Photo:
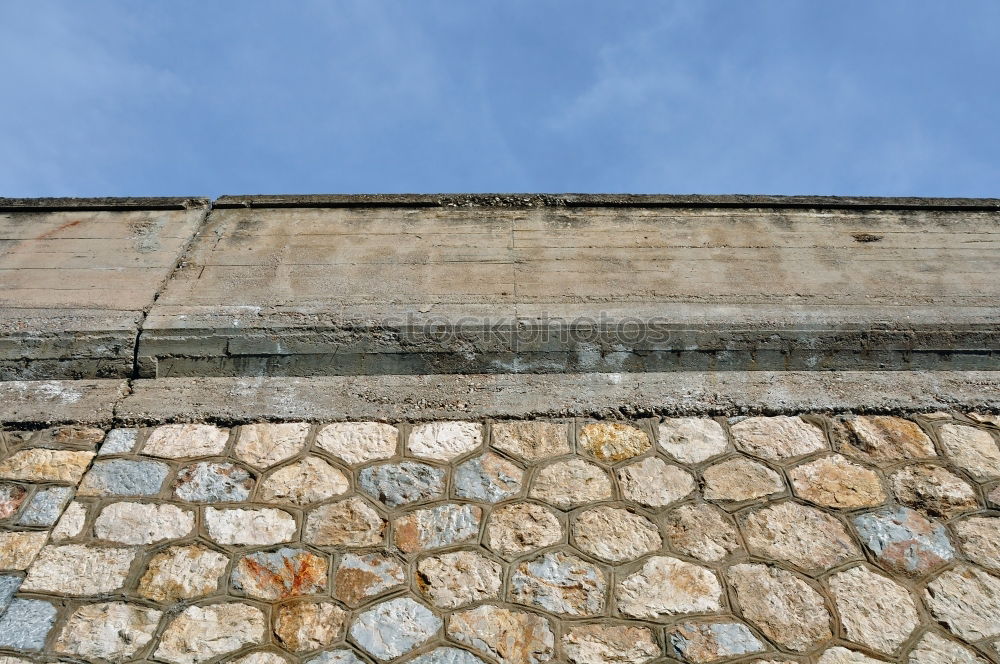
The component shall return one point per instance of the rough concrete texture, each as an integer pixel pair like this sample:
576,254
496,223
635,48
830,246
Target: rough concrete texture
304,286
56,401
415,398
556,395
542,288
384,566
76,283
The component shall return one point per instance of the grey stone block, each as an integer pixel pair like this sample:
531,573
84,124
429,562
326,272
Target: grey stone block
26,623
46,506
118,441
398,484
124,477
8,586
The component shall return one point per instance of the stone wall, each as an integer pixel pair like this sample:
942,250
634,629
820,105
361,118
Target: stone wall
763,539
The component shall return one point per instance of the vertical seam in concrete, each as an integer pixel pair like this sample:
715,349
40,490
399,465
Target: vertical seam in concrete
181,256
512,344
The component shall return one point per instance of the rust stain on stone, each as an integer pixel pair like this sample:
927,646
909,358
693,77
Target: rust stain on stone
354,585
11,497
408,534
76,435
282,574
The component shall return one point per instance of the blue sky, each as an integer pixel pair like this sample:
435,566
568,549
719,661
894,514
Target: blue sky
854,97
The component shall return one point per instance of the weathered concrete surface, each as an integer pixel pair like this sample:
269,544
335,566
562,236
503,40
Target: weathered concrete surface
60,401
493,395
411,285
603,200
77,276
555,395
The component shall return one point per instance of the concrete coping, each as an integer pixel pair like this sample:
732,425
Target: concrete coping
505,200
103,203
495,396
514,200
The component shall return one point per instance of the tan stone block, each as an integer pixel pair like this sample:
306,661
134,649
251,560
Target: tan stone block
875,611
571,483
979,538
701,531
971,449
615,535
264,445
784,607
453,580
18,549
355,443
522,527
77,570
935,649
531,441
43,465
251,527
600,644
666,586
444,441
180,441
800,535
692,439
507,636
740,479
112,631
613,441
966,600
880,439
182,572
201,633
833,481
351,522
143,523
436,527
304,482
304,625
777,438
363,576
933,490
654,483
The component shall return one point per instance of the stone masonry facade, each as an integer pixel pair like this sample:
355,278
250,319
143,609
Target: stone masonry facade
834,539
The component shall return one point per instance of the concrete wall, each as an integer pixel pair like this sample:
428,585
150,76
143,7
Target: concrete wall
315,286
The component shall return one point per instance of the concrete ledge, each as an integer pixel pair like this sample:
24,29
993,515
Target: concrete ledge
103,203
418,398
67,344
38,403
497,200
414,398
508,200
230,341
